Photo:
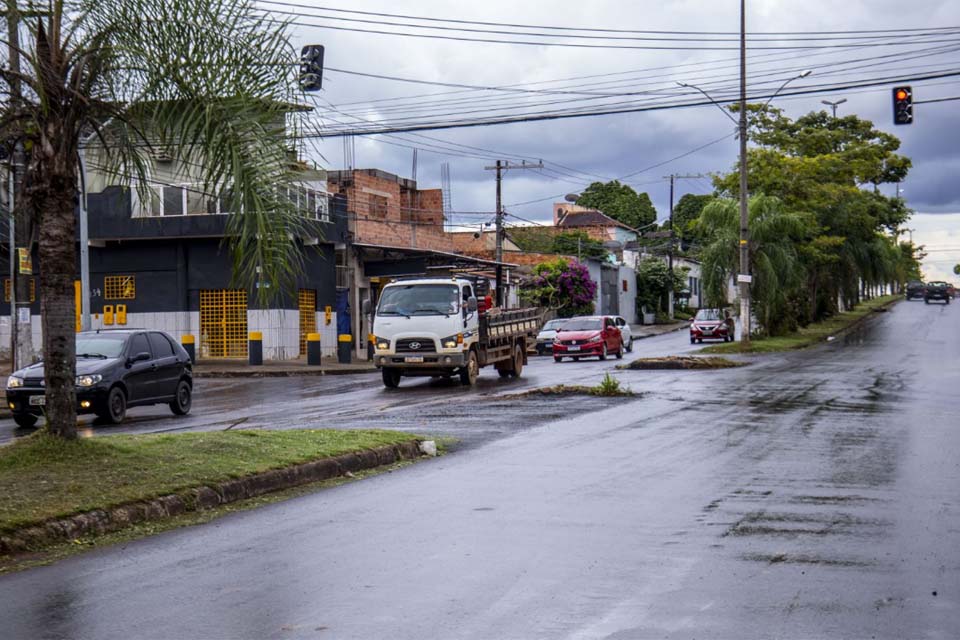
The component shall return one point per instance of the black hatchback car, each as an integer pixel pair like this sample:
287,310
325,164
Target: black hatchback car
116,369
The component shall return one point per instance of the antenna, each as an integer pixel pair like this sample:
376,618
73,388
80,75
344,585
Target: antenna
447,196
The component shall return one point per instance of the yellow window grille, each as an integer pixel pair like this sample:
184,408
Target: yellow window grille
6,290
119,288
308,316
223,323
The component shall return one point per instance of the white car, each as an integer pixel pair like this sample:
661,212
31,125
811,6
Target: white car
547,334
625,332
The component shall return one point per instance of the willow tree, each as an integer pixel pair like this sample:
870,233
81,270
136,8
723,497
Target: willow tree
208,80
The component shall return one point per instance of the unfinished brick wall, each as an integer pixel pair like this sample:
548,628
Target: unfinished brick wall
385,212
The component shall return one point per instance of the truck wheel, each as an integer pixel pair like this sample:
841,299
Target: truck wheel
470,372
391,377
517,361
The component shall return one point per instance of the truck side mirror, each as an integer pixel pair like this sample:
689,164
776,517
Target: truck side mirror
472,304
365,306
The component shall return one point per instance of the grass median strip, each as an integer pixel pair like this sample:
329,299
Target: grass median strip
42,477
809,335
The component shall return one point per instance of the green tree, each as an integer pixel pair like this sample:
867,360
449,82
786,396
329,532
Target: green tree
210,78
654,282
774,258
578,243
685,215
831,168
956,269
620,202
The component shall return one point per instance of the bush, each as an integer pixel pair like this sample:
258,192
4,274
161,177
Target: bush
562,285
654,282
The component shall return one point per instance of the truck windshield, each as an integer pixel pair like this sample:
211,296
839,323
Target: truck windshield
419,300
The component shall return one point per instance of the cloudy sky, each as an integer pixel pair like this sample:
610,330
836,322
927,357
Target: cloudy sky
894,40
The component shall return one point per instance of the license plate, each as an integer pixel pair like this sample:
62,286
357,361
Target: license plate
573,348
413,359
38,401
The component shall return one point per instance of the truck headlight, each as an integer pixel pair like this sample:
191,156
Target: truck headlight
451,342
89,380
382,343
13,382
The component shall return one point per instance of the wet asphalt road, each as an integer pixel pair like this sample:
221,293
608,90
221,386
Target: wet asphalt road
421,405
811,495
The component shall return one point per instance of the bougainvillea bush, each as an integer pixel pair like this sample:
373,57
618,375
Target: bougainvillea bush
563,285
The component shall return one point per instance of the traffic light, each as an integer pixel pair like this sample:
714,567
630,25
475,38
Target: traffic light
311,67
902,105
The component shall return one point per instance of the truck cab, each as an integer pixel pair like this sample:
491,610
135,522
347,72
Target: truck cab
434,327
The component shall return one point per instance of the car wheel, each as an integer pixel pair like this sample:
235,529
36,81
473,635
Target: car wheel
557,359
25,420
693,341
926,300
541,349
630,345
700,340
576,358
183,400
391,377
116,408
603,351
619,353
469,373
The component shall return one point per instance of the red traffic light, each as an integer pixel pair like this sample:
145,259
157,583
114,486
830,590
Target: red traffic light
902,94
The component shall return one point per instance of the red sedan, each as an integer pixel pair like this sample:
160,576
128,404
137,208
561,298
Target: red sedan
586,337
711,324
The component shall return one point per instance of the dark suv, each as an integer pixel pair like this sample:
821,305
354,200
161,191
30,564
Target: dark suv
116,369
915,289
936,291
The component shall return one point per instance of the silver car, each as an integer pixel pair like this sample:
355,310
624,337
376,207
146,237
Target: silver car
547,334
625,332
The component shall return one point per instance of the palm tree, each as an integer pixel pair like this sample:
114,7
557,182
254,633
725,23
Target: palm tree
774,261
210,79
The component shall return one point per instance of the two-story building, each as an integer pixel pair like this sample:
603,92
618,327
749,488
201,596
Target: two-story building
165,262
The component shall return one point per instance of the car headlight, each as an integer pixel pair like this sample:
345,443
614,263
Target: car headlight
89,380
13,382
451,342
382,343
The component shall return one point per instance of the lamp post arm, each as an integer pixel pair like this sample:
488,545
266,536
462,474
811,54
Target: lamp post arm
718,105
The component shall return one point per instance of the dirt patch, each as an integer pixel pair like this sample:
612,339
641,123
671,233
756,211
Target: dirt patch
682,362
566,390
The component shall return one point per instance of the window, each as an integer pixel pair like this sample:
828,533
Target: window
160,345
6,290
138,344
119,288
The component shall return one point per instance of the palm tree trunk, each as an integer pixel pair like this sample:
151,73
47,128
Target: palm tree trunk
57,199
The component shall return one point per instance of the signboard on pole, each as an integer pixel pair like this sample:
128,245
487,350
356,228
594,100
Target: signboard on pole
744,278
25,260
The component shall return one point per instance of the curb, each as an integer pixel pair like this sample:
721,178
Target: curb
281,374
101,521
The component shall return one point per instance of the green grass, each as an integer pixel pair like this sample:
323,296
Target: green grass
807,336
42,477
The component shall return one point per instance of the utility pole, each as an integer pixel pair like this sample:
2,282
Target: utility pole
833,105
501,167
672,178
743,278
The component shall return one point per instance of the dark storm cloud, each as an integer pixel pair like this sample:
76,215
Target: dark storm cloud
613,146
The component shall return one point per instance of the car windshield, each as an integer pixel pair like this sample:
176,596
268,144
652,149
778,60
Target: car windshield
100,346
419,299
708,314
553,324
582,324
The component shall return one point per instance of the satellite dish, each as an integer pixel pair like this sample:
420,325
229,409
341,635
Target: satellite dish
572,197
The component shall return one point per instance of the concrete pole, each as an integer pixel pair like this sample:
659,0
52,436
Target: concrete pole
84,246
744,218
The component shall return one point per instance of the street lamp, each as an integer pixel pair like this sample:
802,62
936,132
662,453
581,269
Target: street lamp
744,278
833,105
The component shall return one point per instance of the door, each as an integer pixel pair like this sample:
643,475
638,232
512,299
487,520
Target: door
611,334
167,373
223,323
141,376
307,300
609,293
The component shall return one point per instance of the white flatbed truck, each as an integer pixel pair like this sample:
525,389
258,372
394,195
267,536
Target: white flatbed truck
433,327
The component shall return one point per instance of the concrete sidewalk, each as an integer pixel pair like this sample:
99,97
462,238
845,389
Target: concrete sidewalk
650,330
